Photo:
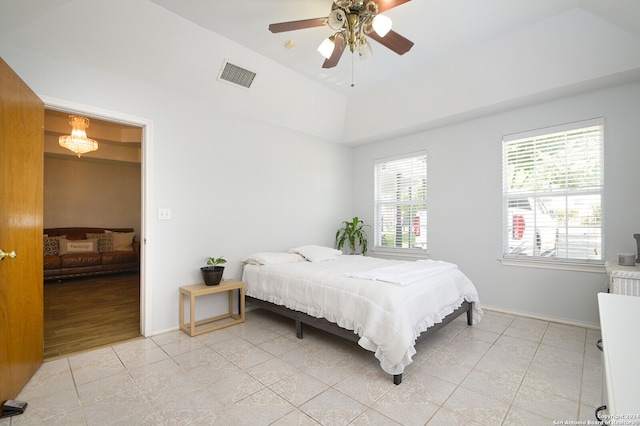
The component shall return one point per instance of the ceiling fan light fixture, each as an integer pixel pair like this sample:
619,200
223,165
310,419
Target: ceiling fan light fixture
364,50
353,22
381,25
78,141
327,46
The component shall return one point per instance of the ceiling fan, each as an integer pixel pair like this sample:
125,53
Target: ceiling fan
353,20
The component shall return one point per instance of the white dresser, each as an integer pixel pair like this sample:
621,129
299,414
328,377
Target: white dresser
619,325
623,279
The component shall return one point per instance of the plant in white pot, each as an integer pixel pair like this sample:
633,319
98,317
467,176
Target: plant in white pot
212,273
352,232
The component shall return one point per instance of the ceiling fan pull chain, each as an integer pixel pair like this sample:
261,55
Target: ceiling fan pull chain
353,83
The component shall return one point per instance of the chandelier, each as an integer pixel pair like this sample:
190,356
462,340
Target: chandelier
353,20
78,141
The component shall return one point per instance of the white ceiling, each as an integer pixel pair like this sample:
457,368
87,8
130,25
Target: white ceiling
470,57
439,29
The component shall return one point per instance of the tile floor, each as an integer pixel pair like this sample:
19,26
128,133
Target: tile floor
505,370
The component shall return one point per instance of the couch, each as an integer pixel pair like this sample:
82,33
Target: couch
79,252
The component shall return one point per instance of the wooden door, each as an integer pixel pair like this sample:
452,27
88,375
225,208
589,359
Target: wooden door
21,224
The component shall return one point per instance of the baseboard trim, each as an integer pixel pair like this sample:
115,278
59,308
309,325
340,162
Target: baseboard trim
542,317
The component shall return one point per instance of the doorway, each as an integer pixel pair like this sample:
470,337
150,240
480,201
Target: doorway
136,151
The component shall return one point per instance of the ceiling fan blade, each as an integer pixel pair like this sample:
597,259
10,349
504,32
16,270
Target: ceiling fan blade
297,25
384,5
337,52
393,41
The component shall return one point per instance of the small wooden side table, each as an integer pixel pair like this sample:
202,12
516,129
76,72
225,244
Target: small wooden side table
195,290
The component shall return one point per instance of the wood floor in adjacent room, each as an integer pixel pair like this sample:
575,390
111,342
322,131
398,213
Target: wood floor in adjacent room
88,313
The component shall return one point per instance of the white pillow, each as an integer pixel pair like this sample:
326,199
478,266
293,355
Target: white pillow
267,258
316,253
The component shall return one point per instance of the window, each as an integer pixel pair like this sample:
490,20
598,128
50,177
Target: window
401,203
552,193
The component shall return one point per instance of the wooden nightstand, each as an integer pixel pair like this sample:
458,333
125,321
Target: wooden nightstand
195,290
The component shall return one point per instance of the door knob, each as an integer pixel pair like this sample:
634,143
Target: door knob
4,254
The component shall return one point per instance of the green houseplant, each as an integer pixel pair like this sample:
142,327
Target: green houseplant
212,273
353,232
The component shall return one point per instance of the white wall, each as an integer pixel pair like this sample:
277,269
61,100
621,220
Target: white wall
235,184
465,195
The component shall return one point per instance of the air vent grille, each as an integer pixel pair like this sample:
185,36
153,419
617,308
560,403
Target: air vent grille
237,75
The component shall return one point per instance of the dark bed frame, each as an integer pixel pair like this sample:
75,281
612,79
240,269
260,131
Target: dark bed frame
301,318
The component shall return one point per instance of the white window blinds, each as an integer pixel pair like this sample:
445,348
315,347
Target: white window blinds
401,202
552,193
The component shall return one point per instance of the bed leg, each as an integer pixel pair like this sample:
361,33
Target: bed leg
299,329
470,314
397,379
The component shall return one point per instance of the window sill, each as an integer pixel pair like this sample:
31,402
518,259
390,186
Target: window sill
546,264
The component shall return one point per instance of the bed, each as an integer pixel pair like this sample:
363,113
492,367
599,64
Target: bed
384,305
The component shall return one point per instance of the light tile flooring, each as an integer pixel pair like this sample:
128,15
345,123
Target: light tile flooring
505,370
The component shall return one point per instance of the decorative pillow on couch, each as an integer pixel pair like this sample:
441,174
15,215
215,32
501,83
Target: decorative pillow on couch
105,240
78,246
122,241
52,245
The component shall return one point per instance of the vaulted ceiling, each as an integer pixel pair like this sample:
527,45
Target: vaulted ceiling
440,29
470,57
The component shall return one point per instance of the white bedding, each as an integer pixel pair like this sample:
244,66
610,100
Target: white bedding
387,317
405,273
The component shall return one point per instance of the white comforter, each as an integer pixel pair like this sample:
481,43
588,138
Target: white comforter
387,317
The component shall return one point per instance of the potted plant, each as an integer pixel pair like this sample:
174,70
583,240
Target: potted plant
212,273
352,231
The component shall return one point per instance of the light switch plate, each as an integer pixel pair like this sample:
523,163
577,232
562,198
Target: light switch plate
164,214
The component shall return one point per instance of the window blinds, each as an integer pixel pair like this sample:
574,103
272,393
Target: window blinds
400,202
552,192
